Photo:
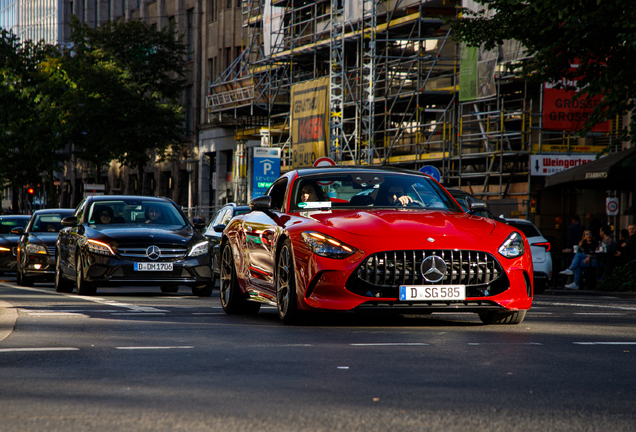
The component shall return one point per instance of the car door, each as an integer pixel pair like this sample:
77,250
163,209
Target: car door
261,231
67,241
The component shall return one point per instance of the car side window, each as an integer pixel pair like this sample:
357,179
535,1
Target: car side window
227,217
80,210
277,192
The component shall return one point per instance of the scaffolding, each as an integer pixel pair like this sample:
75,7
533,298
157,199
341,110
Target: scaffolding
393,96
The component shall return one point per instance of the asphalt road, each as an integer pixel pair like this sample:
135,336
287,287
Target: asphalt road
133,359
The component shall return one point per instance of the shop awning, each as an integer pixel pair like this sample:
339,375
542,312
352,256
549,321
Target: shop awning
614,172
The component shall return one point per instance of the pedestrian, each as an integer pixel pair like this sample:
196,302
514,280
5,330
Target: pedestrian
582,259
575,233
608,247
627,247
594,225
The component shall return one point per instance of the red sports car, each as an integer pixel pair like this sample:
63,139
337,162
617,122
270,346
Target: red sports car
343,238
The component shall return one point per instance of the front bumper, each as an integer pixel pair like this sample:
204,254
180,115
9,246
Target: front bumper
113,271
39,266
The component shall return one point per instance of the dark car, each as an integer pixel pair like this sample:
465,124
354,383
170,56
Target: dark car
36,248
9,241
461,198
131,240
214,231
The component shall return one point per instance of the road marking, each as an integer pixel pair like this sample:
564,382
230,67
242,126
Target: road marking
625,308
390,344
600,313
92,299
38,349
604,343
153,347
495,343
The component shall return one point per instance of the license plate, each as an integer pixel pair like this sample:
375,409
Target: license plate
432,292
153,266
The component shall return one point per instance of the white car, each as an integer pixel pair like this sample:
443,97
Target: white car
541,256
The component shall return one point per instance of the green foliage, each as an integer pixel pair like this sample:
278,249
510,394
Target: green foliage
30,142
599,36
113,96
623,278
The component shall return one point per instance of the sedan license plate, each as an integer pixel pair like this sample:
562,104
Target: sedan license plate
432,292
153,266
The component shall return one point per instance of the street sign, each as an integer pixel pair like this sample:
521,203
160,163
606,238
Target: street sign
324,161
432,171
266,169
611,206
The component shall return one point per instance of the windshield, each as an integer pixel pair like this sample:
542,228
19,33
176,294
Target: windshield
8,223
134,212
49,222
369,190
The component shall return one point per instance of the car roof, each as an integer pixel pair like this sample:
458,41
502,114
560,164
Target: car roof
128,197
53,210
335,169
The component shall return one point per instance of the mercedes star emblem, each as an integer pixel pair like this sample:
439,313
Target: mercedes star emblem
153,252
433,268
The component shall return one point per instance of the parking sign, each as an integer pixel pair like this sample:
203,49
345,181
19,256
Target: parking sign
266,169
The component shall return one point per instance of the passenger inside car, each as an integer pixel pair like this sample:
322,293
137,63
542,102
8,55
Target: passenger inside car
310,191
154,215
104,215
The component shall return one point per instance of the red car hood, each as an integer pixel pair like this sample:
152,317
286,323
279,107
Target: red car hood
407,223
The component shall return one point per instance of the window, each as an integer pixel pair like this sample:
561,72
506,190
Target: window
188,103
211,10
228,4
190,18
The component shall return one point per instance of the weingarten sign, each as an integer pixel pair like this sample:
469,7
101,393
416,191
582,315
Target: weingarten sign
545,165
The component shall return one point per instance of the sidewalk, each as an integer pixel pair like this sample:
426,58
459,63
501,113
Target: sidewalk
8,317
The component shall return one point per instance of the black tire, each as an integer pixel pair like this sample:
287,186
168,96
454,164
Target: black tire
203,291
169,288
503,317
231,300
83,288
286,299
21,278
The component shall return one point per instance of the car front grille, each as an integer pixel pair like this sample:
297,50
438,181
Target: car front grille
169,252
50,250
381,274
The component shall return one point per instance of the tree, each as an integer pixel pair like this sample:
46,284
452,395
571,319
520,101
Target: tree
598,35
30,142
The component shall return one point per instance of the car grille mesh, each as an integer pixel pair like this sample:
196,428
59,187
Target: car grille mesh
394,268
168,251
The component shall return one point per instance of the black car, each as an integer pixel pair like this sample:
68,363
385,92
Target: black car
214,231
131,240
9,241
36,248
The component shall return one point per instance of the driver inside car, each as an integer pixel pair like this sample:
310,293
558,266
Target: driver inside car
396,196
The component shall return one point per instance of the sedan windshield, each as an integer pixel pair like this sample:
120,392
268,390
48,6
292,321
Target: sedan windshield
369,190
49,222
134,212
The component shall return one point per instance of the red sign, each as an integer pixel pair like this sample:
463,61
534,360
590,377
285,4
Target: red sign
324,161
562,113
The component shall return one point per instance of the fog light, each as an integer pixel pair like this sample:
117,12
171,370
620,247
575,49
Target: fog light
37,266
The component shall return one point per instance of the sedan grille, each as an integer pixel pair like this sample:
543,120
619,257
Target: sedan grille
50,250
381,274
168,251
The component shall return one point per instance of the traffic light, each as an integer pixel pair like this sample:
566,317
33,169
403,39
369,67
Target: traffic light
31,191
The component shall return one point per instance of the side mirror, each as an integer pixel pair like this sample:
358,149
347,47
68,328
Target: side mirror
475,206
17,230
70,221
262,203
218,228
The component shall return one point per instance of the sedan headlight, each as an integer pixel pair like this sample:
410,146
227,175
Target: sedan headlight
35,249
513,246
326,246
100,248
199,249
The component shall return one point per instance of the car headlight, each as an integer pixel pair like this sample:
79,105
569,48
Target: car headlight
35,249
199,249
100,248
326,246
513,246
